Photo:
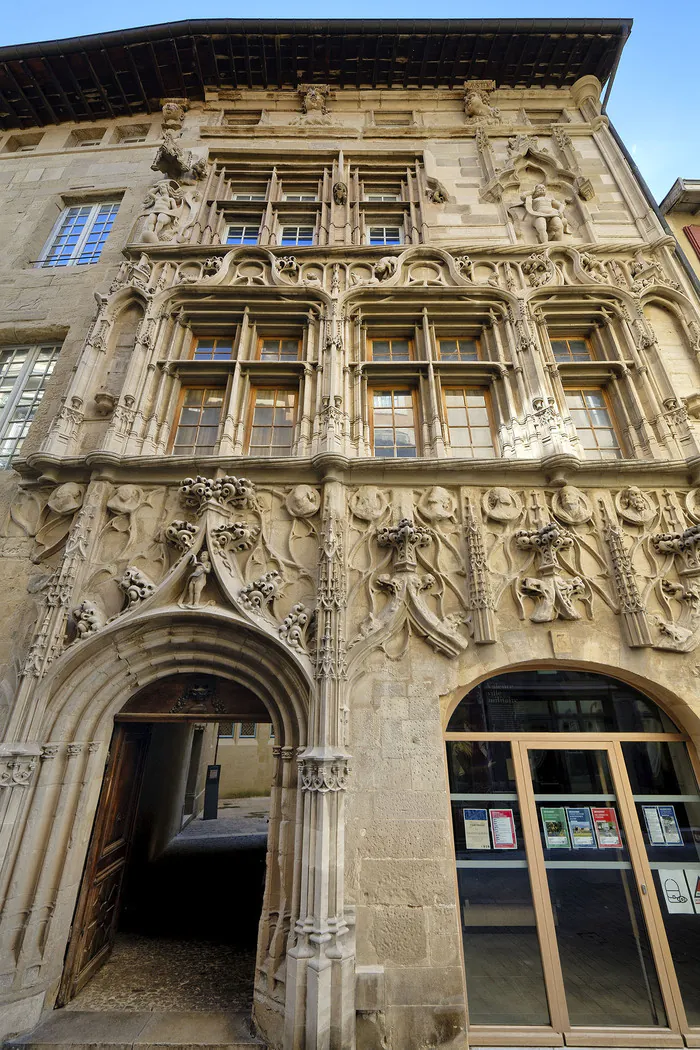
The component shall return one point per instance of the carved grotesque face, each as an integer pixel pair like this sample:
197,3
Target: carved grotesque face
66,499
303,501
314,99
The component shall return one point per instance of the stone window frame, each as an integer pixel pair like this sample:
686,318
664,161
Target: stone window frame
18,390
250,232
61,227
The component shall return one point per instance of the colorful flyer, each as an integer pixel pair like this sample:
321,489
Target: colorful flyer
503,829
675,891
662,826
476,828
556,834
607,829
581,827
669,823
651,819
692,876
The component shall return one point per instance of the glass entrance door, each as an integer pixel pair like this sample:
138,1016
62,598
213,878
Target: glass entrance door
576,819
585,853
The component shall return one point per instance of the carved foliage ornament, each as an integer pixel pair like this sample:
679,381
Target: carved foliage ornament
223,492
553,595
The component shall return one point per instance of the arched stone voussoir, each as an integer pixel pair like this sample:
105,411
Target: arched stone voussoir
90,684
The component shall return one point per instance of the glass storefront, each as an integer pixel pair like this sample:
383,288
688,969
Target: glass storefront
576,820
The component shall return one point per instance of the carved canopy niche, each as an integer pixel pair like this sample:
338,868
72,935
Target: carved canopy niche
183,697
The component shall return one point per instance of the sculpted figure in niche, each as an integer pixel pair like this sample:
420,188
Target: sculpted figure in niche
572,506
164,203
303,501
476,105
437,504
196,581
500,504
547,214
368,503
633,506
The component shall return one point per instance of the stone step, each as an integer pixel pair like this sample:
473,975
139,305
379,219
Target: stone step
139,1030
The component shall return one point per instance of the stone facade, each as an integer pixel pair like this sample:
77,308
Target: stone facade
359,597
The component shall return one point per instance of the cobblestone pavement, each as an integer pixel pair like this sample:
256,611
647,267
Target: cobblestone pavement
157,972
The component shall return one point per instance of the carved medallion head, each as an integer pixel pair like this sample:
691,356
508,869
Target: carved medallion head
67,498
303,501
126,499
501,504
368,503
571,505
437,504
634,506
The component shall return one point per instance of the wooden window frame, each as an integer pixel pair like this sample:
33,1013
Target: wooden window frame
178,415
488,402
458,360
599,388
213,360
393,387
278,360
568,339
260,384
390,338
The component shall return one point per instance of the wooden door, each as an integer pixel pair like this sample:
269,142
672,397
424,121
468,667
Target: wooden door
97,910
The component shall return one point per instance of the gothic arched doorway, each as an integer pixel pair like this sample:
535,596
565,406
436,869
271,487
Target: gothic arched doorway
576,819
174,873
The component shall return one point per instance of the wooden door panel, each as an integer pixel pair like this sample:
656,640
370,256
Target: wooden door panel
97,909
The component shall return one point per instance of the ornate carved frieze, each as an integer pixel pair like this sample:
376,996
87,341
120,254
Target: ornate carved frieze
406,590
552,594
17,764
323,774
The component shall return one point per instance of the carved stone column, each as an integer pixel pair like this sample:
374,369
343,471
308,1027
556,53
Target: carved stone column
320,1011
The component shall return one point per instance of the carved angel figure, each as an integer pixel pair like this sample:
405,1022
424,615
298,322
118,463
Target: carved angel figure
547,214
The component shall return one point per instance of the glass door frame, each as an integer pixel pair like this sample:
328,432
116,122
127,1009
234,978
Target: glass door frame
560,1032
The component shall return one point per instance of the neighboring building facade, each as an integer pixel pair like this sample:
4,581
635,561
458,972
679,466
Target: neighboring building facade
245,754
357,363
681,209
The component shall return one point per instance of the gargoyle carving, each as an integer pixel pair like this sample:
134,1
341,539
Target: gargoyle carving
136,586
88,619
385,268
177,163
476,104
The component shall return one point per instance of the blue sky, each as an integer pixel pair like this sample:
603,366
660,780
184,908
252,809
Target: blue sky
654,104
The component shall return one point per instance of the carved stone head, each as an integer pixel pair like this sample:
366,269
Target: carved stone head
67,498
